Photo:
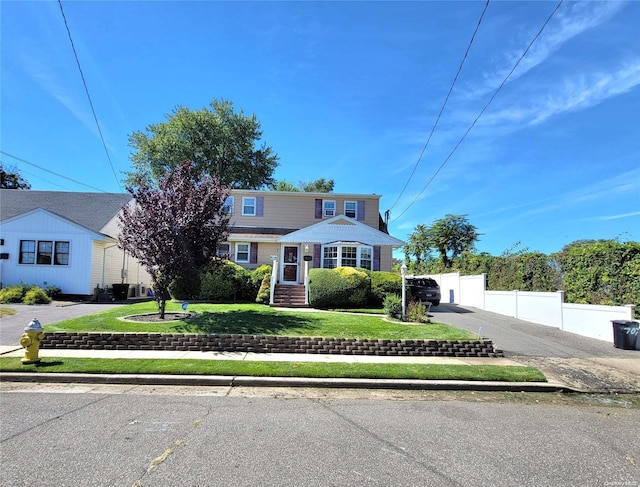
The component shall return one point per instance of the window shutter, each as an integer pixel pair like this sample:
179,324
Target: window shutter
253,254
318,208
260,206
317,248
376,258
360,210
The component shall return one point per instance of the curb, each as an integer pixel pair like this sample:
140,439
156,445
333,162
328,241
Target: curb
247,381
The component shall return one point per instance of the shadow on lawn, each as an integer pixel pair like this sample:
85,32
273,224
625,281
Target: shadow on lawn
246,322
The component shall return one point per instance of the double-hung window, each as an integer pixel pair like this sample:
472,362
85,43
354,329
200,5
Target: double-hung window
44,252
349,256
248,206
27,252
223,251
227,207
330,257
350,208
328,208
242,252
61,257
366,254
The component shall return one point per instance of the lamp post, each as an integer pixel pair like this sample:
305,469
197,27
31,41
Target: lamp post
403,271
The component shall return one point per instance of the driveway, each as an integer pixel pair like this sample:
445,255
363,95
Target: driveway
12,327
582,363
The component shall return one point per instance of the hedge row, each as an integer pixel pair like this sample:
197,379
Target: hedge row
225,281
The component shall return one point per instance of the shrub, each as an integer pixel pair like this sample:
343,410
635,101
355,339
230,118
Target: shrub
417,312
186,286
256,282
341,287
12,294
257,275
226,281
264,293
36,295
393,306
52,291
383,283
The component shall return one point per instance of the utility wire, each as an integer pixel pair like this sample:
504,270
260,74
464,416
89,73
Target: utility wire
34,175
51,172
464,58
86,89
483,110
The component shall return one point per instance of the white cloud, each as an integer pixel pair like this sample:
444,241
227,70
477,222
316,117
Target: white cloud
570,21
587,91
576,93
617,217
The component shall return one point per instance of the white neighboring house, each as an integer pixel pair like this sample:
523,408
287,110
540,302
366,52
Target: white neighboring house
64,239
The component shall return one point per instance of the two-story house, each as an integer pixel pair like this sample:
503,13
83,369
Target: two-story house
69,239
324,229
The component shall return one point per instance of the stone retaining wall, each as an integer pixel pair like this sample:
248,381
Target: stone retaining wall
268,344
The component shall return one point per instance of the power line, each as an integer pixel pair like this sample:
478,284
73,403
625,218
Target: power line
51,172
483,109
464,58
34,175
86,89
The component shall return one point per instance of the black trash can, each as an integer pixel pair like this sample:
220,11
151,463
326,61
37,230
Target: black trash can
625,334
120,291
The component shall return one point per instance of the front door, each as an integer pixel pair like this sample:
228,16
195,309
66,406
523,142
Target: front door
290,265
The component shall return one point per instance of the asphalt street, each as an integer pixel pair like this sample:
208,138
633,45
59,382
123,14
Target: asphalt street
141,439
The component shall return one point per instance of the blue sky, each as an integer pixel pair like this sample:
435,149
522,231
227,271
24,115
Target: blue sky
351,91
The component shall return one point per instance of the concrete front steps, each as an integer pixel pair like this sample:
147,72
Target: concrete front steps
289,296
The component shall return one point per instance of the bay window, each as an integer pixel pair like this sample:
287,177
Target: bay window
346,255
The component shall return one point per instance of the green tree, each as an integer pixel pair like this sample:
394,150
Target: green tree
10,178
318,186
174,229
601,272
217,140
448,237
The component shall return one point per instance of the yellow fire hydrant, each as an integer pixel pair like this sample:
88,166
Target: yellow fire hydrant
30,340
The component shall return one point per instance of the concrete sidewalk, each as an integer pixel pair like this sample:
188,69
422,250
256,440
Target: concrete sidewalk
213,380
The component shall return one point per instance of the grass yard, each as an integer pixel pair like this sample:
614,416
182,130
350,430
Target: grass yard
277,369
259,319
4,311
255,319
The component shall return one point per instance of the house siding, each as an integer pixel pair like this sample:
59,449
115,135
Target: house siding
40,225
298,210
107,263
294,211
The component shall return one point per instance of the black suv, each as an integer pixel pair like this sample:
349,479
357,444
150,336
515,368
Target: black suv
424,289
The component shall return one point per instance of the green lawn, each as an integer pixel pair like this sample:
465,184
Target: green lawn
259,319
255,319
276,369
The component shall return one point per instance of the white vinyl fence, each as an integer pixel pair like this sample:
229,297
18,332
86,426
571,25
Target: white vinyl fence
549,309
